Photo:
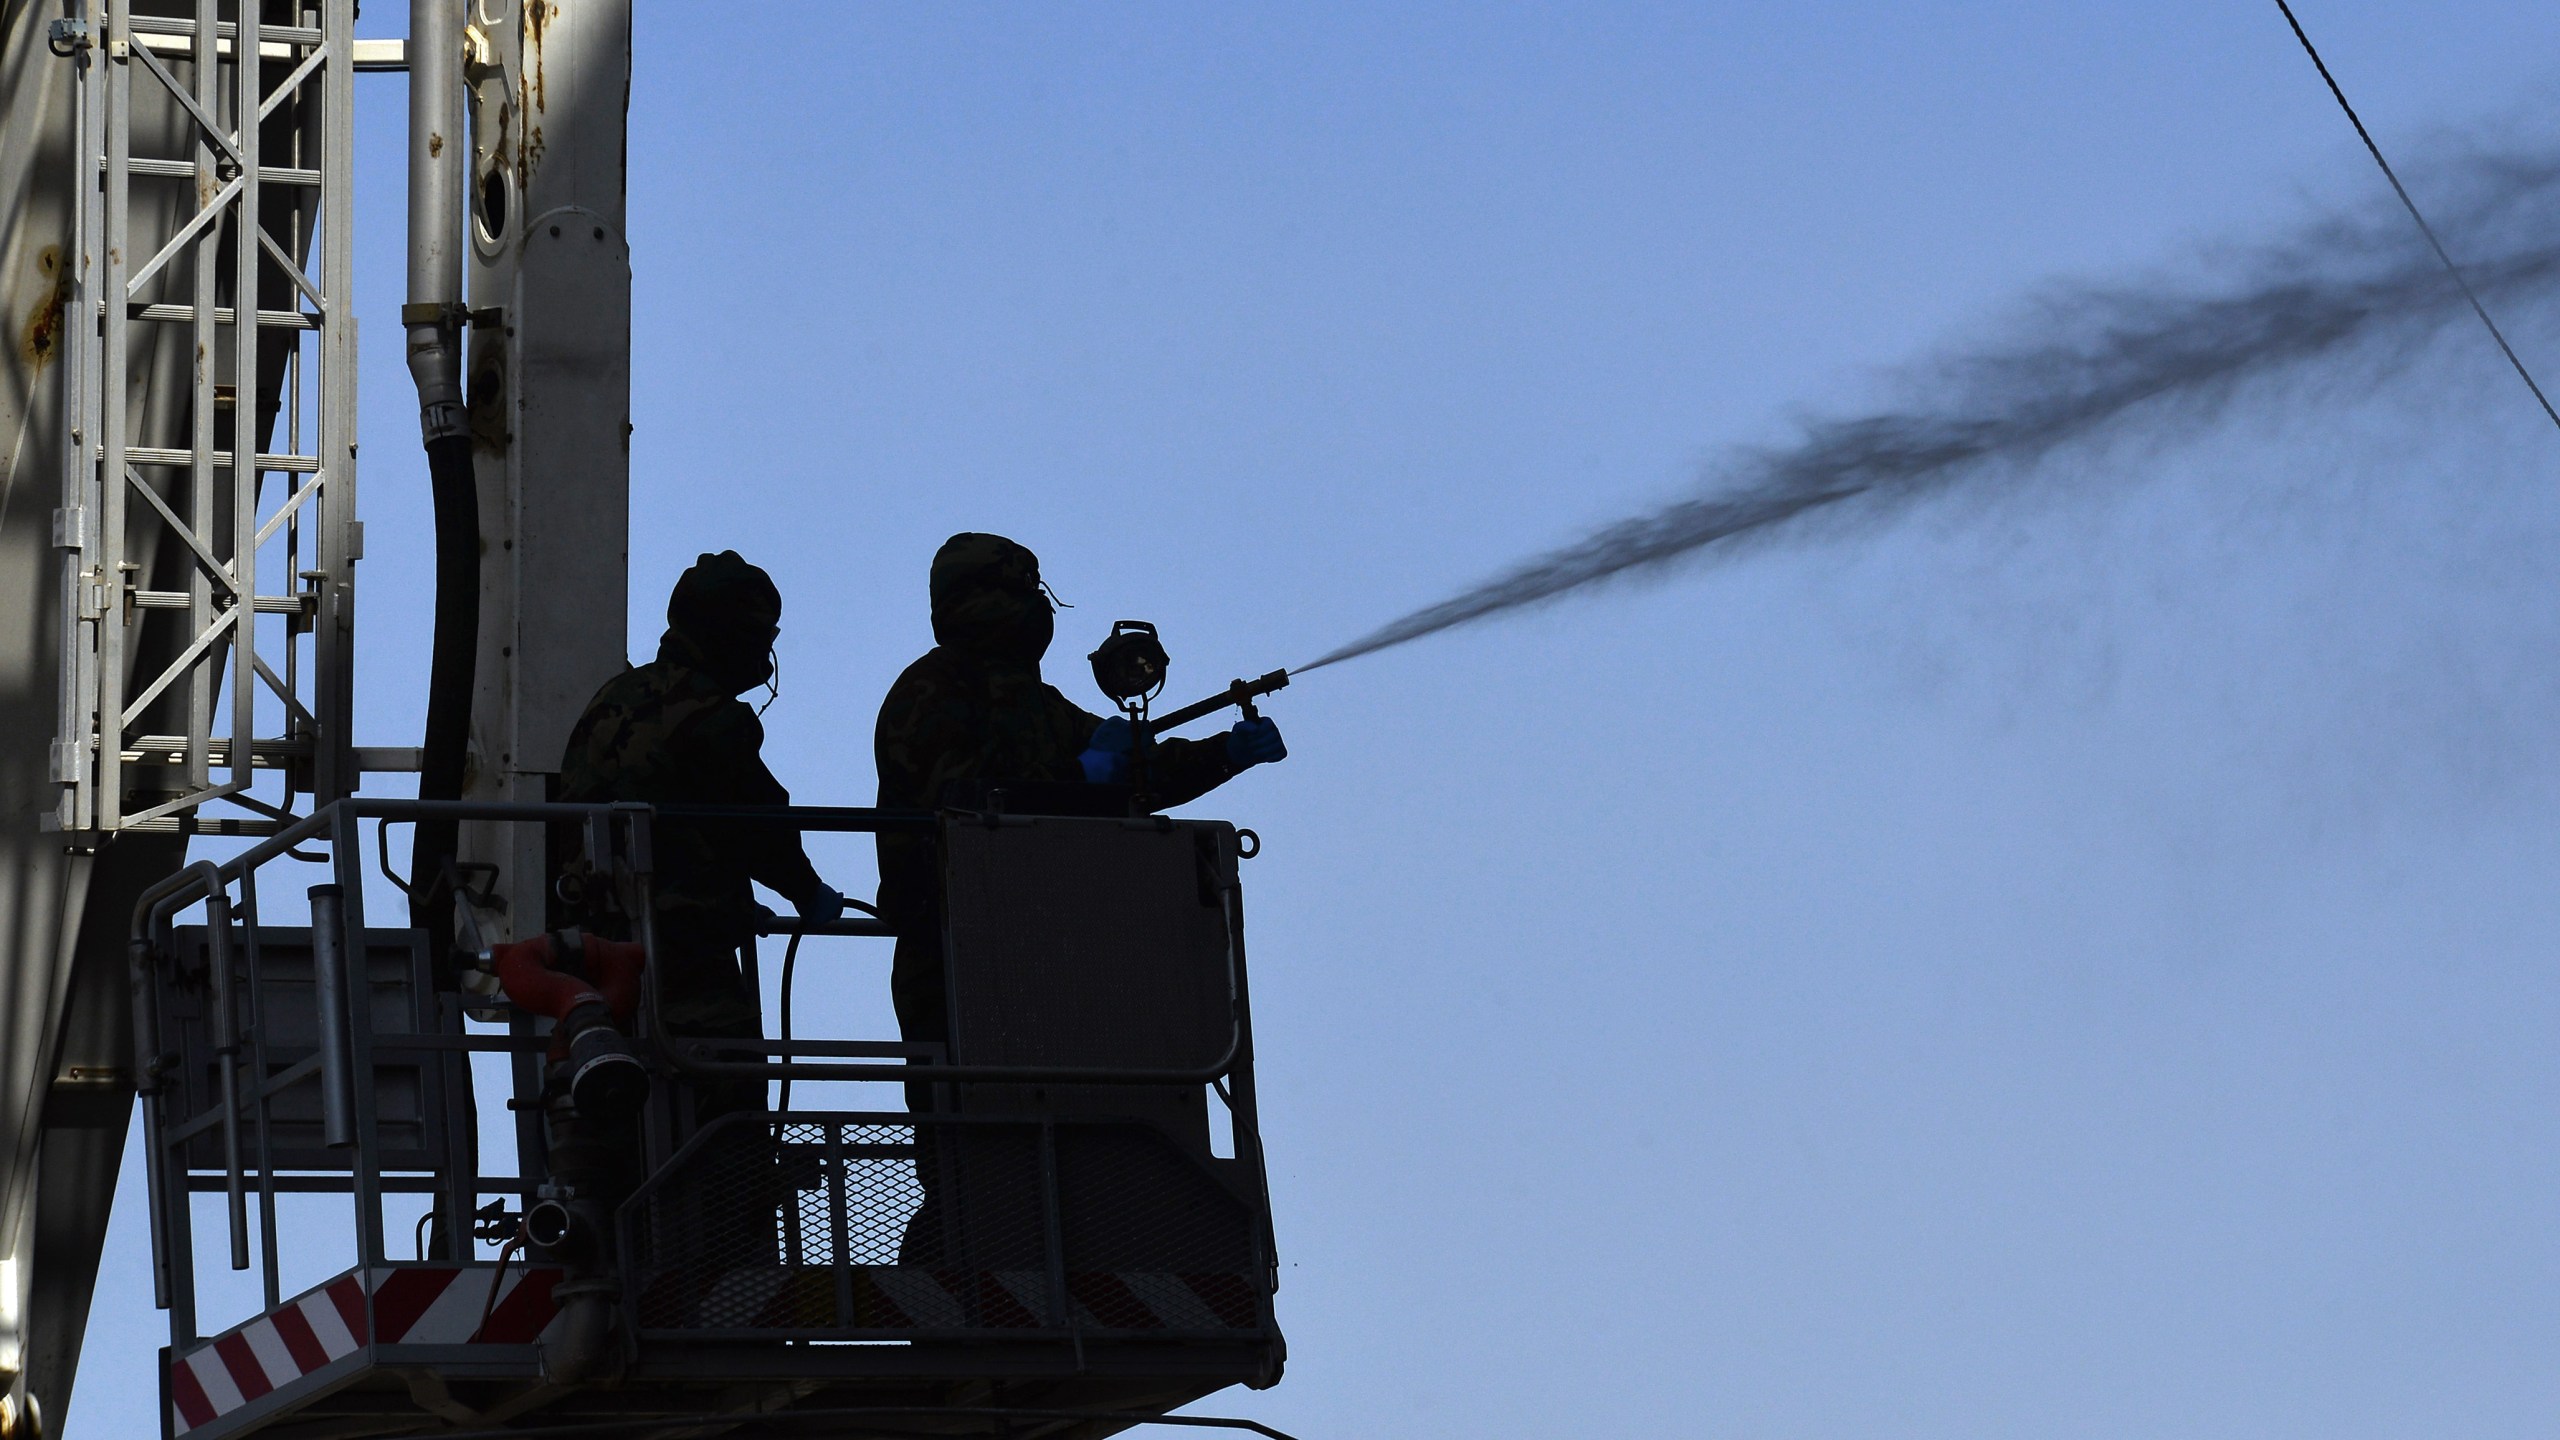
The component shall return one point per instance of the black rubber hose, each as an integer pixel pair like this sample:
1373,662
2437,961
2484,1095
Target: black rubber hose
450,682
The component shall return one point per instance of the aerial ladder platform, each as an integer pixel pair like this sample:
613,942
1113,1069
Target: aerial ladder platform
1073,1234
376,1208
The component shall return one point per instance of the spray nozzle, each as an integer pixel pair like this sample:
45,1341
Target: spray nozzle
1240,693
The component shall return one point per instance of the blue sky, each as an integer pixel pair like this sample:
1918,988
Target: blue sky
2074,965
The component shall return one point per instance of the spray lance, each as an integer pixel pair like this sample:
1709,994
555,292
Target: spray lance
1130,667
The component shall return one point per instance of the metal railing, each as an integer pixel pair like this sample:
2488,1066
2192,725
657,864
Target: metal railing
336,1060
887,1226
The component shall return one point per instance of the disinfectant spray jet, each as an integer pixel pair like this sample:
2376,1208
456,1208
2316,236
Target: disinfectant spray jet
2091,360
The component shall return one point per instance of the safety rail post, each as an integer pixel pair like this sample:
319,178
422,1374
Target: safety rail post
173,1273
444,1085
525,1066
1053,1241
329,990
462,1131
1244,1111
346,853
226,1054
261,1091
839,1184
140,974
659,1139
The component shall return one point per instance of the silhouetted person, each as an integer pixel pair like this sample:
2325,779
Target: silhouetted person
974,712
673,732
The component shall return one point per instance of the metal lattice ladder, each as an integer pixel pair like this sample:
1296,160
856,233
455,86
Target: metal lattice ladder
258,221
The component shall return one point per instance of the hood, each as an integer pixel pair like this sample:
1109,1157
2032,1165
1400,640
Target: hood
723,619
987,600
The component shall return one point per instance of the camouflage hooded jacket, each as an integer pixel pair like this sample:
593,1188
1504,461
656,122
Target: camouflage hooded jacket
975,708
675,732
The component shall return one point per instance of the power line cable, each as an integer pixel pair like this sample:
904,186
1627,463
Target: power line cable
2412,207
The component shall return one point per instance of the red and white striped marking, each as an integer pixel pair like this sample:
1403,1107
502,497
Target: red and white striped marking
411,1305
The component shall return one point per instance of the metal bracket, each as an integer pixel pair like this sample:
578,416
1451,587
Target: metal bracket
67,37
434,312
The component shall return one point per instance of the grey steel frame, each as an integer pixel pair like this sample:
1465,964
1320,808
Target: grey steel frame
115,491
344,1064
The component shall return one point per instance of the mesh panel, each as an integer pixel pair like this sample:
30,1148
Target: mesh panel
1151,1241
847,1192
882,1227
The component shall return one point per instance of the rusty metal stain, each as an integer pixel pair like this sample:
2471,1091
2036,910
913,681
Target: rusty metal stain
528,153
40,339
528,103
538,15
524,161
435,143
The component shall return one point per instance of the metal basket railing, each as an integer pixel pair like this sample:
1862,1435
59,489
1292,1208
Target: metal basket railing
871,1226
782,1226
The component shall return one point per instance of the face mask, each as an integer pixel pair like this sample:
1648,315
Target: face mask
772,681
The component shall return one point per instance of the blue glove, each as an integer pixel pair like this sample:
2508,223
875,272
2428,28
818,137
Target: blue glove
1255,742
822,906
1106,755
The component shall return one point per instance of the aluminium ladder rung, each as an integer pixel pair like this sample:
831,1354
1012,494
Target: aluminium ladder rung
186,170
224,30
199,825
162,455
172,750
180,600
225,315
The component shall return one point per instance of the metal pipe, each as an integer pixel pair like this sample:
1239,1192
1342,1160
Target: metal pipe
141,972
146,1074
830,818
858,929
346,857
1241,694
1244,1108
258,1093
330,989
432,316
434,55
688,1060
226,1051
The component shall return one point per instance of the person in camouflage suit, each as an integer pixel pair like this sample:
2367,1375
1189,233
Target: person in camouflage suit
674,731
973,710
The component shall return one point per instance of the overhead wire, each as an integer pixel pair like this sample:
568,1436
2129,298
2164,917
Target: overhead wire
2433,242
